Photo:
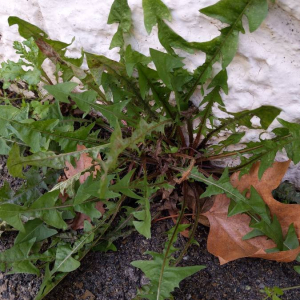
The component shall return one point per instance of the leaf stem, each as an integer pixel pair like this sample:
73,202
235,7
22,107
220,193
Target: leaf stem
222,155
171,241
192,234
203,120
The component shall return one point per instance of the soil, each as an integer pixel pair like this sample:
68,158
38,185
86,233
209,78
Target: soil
109,276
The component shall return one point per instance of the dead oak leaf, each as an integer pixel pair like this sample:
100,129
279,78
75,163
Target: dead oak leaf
84,162
225,236
286,213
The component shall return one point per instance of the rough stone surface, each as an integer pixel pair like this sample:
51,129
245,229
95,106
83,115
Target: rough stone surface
265,70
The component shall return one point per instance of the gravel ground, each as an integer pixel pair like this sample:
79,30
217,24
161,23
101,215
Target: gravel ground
109,276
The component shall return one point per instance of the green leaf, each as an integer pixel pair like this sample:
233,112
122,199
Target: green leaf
161,288
68,140
11,71
15,162
4,148
113,112
32,77
17,258
220,80
272,230
170,39
34,229
267,159
291,240
61,91
233,139
252,234
225,45
229,49
100,63
105,246
64,261
210,99
6,192
26,30
7,114
117,40
11,214
88,209
165,64
123,186
227,12
83,193
265,113
84,100
120,13
118,145
29,191
172,276
132,58
44,208
254,205
256,12
153,11
143,226
29,51
148,79
293,147
30,132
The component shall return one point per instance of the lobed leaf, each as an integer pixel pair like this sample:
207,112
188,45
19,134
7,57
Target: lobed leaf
120,13
154,10
19,260
161,287
26,30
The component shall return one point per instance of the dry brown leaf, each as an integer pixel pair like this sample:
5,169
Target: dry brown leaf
225,236
84,162
88,296
48,51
